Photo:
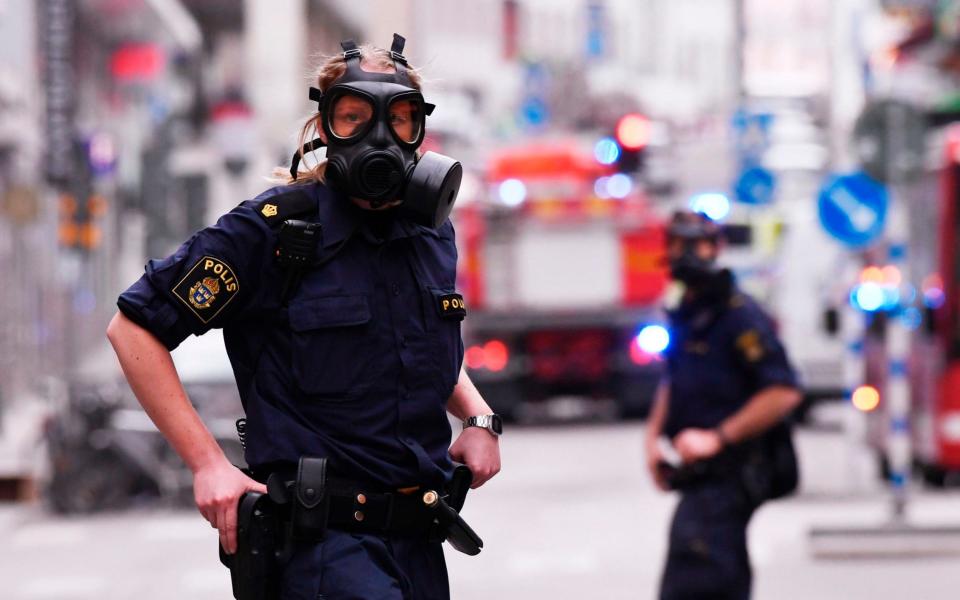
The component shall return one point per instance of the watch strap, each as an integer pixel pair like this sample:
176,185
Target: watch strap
482,421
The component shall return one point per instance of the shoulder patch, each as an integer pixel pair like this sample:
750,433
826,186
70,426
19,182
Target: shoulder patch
750,345
207,288
277,209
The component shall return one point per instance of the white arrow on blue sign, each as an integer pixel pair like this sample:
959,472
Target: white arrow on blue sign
853,208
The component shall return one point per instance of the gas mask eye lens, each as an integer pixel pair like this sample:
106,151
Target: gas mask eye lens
406,119
349,115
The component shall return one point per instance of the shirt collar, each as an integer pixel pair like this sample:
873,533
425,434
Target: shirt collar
340,219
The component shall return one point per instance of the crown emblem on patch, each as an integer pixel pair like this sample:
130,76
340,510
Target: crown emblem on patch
203,292
269,210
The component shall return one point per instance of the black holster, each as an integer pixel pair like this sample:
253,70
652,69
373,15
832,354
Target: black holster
268,524
450,526
254,572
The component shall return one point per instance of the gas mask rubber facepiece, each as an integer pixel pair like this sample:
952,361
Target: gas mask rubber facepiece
687,266
374,123
690,269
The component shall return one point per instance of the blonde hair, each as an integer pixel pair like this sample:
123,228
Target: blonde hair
332,68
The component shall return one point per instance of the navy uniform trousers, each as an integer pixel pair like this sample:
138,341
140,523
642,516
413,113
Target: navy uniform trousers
348,566
708,557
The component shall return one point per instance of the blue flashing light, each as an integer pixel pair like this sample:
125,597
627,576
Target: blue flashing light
513,192
653,339
619,185
910,294
912,318
606,151
601,187
891,297
868,296
933,297
714,205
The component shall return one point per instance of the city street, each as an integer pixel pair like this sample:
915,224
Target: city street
352,219
571,516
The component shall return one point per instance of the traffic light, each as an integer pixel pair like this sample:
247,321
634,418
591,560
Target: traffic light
633,135
80,222
81,208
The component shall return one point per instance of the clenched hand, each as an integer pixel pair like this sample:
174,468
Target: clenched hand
217,490
480,450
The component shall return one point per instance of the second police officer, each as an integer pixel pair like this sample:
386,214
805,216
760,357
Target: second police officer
336,295
727,390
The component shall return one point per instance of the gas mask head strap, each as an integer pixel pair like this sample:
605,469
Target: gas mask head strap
314,144
352,57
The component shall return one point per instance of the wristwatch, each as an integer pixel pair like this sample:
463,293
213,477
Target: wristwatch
492,423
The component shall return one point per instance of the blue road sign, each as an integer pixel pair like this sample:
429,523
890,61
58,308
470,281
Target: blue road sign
752,135
596,34
534,112
755,185
853,208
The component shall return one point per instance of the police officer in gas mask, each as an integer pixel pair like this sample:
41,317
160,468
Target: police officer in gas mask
336,295
716,433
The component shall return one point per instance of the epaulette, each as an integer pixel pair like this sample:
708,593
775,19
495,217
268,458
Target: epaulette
288,205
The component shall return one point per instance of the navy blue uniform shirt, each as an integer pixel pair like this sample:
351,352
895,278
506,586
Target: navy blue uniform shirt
358,365
723,351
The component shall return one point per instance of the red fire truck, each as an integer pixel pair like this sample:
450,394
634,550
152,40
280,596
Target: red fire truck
562,270
934,312
936,378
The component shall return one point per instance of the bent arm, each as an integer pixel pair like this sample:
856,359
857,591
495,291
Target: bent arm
217,485
475,447
153,377
765,409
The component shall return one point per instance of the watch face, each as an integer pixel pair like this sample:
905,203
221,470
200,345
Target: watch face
496,424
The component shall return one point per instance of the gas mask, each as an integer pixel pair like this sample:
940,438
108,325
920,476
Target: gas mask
688,267
374,123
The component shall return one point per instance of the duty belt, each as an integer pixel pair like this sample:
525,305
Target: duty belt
303,508
353,507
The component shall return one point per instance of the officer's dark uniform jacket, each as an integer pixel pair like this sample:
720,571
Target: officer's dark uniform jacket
359,364
723,351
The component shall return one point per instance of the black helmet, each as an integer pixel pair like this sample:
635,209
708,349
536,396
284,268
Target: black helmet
689,225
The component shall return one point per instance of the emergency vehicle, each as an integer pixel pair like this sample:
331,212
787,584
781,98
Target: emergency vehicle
932,309
562,268
936,376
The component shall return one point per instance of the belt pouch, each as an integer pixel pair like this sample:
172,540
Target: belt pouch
311,504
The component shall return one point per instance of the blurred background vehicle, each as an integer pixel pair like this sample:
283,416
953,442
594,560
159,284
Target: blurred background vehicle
563,265
104,452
